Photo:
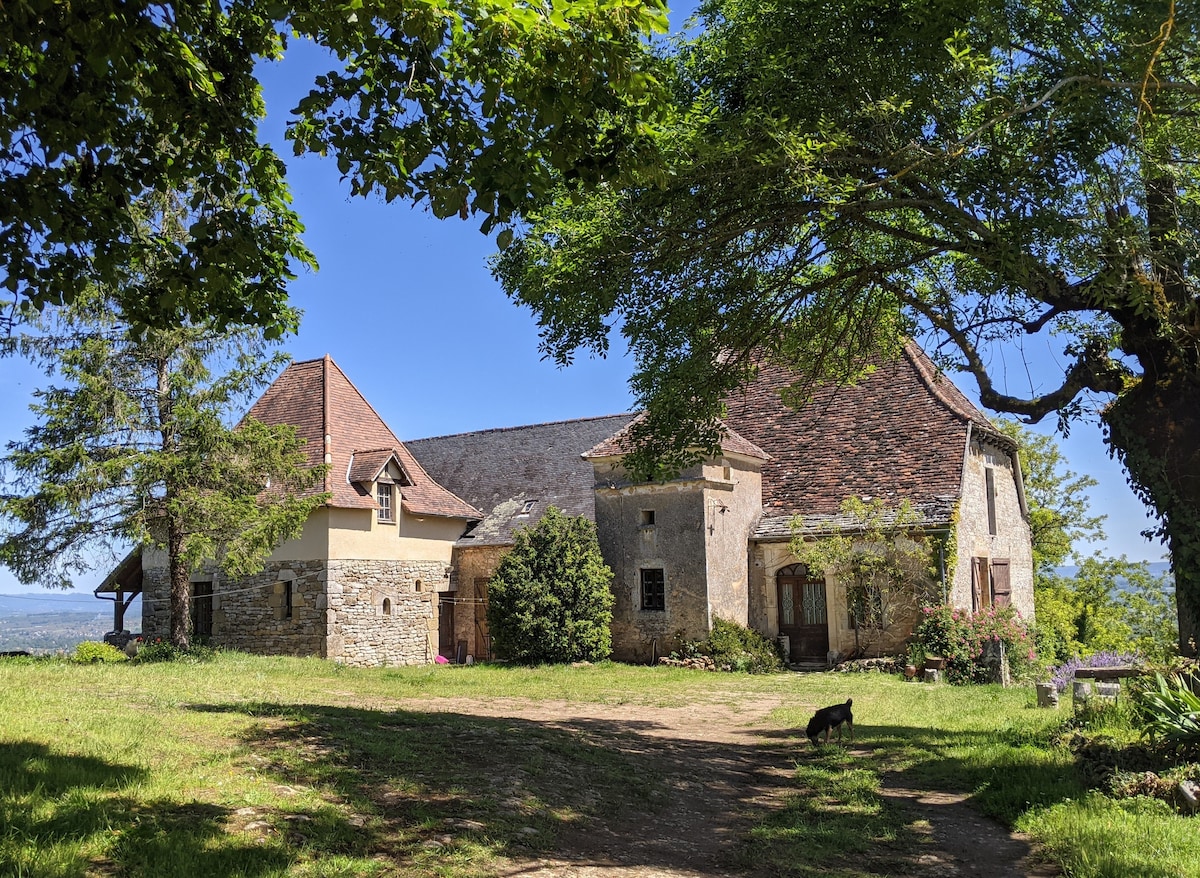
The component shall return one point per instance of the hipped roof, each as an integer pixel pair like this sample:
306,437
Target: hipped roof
335,419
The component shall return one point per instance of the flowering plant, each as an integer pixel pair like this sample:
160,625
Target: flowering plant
959,635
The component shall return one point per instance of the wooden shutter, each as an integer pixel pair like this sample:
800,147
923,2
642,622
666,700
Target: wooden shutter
980,592
1001,587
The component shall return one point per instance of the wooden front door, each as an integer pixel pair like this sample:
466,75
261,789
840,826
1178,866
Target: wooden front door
803,614
446,625
483,637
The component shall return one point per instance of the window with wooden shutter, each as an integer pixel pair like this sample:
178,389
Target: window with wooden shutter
1001,587
981,592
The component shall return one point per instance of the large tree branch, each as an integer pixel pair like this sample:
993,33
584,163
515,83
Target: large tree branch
1093,370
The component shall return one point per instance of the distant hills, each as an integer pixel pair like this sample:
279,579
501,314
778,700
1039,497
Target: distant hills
49,621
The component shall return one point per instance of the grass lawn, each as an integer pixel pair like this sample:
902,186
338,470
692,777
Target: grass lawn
253,766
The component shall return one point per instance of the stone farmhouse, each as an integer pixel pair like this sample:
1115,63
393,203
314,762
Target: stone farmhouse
394,568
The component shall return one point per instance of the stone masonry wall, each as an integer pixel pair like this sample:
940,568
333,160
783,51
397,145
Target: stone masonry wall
156,603
383,612
251,614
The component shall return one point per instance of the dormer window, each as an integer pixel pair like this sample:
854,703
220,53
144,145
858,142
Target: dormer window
527,507
383,494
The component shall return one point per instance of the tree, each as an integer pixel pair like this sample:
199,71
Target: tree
1060,512
1107,603
549,600
470,105
882,561
984,175
130,446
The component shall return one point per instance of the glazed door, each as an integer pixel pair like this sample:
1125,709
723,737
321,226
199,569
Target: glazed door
803,614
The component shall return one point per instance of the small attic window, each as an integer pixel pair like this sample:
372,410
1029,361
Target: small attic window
647,518
527,508
384,495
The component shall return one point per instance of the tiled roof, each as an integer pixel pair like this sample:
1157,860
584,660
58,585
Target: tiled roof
365,466
621,443
936,513
899,434
503,471
318,399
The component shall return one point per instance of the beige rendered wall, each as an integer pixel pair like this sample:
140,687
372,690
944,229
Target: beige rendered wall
732,506
1011,540
356,534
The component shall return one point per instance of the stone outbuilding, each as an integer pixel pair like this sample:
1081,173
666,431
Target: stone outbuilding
394,569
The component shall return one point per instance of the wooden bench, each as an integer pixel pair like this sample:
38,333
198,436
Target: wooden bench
1118,673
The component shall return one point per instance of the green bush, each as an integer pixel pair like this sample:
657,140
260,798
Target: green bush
159,650
959,635
549,600
735,648
1170,712
90,652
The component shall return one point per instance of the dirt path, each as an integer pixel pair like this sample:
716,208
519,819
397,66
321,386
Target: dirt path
724,767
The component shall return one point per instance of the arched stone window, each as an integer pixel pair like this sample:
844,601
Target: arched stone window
417,585
387,606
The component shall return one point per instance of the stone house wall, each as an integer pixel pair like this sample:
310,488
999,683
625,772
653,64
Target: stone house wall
383,612
732,505
1011,541
673,543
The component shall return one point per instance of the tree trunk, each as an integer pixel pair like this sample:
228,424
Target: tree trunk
181,596
1155,430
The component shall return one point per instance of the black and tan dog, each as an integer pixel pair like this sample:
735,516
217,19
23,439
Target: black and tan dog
829,718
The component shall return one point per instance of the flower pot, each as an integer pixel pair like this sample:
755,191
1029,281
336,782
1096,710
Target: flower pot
934,662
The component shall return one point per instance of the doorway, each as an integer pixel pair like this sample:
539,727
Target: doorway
803,612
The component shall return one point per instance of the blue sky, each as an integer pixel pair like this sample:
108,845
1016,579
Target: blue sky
407,307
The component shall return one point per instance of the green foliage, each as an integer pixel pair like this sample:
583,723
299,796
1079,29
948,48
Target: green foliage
470,105
93,652
1060,512
159,650
1171,712
733,647
986,175
882,562
132,445
1109,604
959,635
549,600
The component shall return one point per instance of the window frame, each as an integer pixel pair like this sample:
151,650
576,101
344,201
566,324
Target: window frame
653,594
384,512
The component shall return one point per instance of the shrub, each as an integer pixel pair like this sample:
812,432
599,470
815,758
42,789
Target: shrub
1062,675
958,636
735,648
549,600
90,652
1170,712
159,650
946,632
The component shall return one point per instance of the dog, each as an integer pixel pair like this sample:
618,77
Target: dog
829,718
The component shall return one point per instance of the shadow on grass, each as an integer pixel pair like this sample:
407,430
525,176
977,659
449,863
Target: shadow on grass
63,814
439,788
854,815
